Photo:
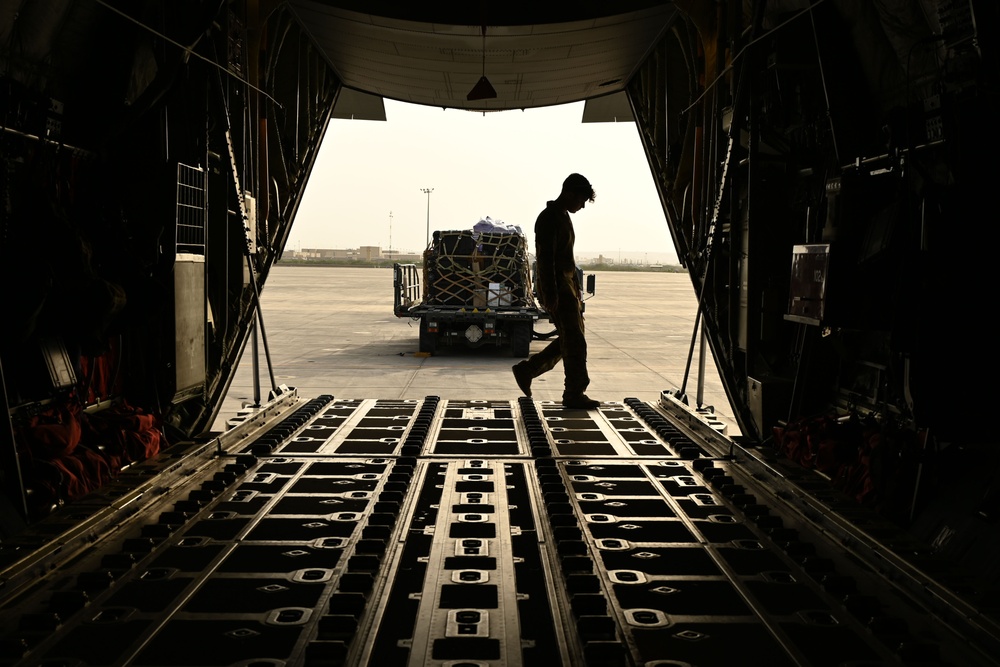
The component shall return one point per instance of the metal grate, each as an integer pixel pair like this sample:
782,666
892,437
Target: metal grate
327,538
191,200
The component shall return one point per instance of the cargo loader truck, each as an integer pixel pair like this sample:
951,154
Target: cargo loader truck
475,289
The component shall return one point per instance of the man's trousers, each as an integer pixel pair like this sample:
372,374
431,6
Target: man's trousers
570,345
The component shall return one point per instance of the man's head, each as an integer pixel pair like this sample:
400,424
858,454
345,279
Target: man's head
576,192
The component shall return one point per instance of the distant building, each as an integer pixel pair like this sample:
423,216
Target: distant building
324,253
406,257
362,254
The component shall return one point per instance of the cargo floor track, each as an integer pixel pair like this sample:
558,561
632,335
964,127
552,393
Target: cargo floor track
472,533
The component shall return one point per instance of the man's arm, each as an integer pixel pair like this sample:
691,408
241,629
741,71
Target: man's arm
545,256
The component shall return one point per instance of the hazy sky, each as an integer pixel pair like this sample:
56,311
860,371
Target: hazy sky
367,181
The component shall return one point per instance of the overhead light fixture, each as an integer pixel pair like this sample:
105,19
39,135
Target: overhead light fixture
483,90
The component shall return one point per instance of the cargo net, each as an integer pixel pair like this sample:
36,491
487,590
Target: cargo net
478,270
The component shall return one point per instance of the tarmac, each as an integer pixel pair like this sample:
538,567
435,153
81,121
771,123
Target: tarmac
331,330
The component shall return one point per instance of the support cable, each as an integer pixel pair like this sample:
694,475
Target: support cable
739,56
712,236
248,250
822,78
256,370
10,470
248,253
188,50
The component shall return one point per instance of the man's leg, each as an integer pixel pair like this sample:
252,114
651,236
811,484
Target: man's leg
573,348
538,363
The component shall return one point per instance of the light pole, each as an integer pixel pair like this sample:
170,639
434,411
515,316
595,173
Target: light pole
428,192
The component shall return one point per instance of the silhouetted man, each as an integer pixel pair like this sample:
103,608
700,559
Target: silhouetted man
559,293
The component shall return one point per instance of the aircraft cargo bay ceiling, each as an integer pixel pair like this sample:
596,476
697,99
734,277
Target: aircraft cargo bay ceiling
531,57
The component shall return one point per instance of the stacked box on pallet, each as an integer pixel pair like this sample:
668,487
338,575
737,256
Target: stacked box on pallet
477,270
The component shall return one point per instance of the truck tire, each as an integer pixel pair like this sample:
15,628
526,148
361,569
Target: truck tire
428,339
520,339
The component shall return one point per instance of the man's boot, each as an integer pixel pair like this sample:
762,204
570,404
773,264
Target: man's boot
580,402
523,377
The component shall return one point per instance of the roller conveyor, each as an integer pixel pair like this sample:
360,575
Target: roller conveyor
473,533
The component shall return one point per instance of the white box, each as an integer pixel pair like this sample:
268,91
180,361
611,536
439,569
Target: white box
498,295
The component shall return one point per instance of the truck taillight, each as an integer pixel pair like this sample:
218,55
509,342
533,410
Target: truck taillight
432,327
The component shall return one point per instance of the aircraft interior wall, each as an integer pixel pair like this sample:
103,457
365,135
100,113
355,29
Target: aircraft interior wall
139,157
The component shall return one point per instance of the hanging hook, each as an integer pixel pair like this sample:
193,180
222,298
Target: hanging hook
484,50
483,89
